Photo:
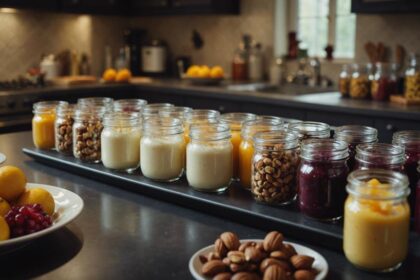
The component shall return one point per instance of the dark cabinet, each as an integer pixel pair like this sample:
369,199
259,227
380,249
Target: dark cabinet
95,6
385,6
30,4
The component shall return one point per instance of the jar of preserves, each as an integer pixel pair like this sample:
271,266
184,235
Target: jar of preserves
43,134
162,147
87,129
355,135
344,81
209,157
382,86
129,105
64,128
274,167
307,130
409,140
412,78
235,121
417,211
96,102
152,110
359,82
376,219
120,141
246,148
321,178
379,155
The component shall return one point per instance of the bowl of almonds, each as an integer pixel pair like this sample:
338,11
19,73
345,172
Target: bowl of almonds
251,259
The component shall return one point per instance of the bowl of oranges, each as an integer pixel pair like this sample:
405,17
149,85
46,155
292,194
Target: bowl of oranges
204,75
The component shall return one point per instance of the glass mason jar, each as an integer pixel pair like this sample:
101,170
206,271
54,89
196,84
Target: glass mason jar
209,157
379,155
417,211
235,121
355,135
199,117
96,102
286,121
129,105
274,167
307,130
359,82
64,128
412,78
162,147
87,129
321,177
246,148
152,110
120,141
376,219
177,112
43,134
344,81
381,86
409,140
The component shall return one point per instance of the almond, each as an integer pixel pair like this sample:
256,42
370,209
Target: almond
234,267
279,255
237,257
270,261
289,250
273,241
302,261
213,256
213,267
275,272
220,248
304,275
230,240
252,254
203,259
226,261
223,276
245,245
245,276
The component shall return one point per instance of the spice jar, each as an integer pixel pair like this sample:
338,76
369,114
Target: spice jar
235,121
274,166
359,82
322,177
409,140
381,86
376,219
162,149
307,130
209,157
129,105
412,78
199,116
355,135
43,134
379,155
246,148
96,102
87,129
152,110
120,141
344,81
64,128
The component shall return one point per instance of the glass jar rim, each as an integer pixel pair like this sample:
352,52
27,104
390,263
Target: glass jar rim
391,182
405,137
154,108
66,109
237,117
251,127
162,125
204,113
122,119
133,101
90,112
310,128
286,139
95,100
323,149
47,106
210,132
387,151
356,134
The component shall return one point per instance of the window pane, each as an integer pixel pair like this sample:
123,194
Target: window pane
345,36
343,7
314,33
311,8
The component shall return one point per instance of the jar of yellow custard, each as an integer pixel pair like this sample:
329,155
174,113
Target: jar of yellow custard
43,134
235,121
376,219
246,148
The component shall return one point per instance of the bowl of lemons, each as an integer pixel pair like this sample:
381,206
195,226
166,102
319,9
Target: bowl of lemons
204,75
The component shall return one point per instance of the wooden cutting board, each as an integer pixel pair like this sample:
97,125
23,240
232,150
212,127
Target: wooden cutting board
399,99
74,80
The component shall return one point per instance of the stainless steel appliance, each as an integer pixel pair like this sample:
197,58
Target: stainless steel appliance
154,58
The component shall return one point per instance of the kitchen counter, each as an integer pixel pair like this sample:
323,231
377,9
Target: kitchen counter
122,235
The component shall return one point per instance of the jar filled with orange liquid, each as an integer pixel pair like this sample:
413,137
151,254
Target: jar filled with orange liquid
376,219
43,134
246,148
235,121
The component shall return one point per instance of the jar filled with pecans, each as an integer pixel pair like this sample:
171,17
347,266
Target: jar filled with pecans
274,167
87,129
412,79
64,128
359,83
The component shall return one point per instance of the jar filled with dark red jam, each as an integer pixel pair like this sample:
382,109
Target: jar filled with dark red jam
417,211
409,140
322,178
308,130
379,155
355,135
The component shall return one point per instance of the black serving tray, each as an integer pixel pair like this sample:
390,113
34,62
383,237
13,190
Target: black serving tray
235,204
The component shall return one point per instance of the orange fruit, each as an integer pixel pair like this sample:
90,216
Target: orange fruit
4,207
4,229
124,75
216,72
109,75
38,196
193,71
204,72
12,182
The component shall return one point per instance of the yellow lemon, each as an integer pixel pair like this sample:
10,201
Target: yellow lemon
38,196
12,182
4,229
124,75
109,75
204,72
193,71
216,72
4,207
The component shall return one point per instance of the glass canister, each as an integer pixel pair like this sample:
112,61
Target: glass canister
381,86
87,129
359,82
355,135
321,178
379,155
209,157
199,116
376,219
274,167
307,130
177,112
162,147
129,105
412,78
64,128
43,133
96,102
235,121
152,110
246,148
120,141
344,81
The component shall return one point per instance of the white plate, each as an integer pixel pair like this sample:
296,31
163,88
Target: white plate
68,206
320,263
2,158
